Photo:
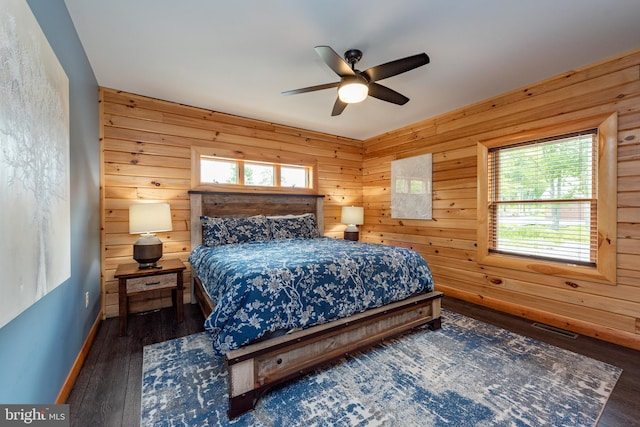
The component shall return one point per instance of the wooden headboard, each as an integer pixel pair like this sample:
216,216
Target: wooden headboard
228,204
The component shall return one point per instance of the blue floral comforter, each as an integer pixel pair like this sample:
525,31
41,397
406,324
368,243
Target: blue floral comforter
267,286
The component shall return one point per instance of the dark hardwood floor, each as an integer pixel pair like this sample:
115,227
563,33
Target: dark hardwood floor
107,392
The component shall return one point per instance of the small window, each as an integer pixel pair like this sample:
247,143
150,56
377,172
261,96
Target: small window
294,176
218,171
259,174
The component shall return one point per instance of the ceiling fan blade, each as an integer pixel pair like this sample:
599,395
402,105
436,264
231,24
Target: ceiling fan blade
396,67
311,88
334,61
338,107
385,94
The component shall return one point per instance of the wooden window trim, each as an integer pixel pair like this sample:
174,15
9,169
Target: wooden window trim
605,269
277,159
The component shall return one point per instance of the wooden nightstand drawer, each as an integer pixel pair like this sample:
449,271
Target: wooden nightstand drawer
133,280
149,283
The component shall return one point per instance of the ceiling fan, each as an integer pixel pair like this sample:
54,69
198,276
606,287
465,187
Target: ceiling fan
355,85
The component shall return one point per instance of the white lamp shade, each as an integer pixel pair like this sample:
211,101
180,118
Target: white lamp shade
149,218
352,215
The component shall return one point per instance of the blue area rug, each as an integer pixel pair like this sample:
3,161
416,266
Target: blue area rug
466,374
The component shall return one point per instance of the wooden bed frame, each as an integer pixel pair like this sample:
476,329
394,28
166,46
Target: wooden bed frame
255,368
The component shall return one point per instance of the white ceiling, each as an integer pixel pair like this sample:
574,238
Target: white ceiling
237,56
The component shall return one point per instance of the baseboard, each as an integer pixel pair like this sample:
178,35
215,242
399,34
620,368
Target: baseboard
582,327
77,365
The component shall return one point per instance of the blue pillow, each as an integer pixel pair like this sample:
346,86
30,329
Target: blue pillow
294,226
224,231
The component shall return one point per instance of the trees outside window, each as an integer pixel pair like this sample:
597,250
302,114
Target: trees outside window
542,197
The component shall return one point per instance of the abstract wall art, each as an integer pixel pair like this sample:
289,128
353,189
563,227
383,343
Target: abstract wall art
35,224
411,192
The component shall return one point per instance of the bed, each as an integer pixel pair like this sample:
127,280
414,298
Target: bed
274,311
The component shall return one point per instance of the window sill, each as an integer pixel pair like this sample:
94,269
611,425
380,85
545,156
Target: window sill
559,269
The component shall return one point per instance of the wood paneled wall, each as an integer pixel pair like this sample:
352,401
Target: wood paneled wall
146,148
449,241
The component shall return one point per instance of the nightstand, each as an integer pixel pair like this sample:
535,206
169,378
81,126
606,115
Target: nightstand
133,280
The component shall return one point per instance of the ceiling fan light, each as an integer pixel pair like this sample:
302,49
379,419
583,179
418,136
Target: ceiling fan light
353,92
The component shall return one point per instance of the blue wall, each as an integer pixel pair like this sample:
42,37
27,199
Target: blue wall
38,348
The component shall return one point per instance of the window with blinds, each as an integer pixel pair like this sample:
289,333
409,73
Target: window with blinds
543,198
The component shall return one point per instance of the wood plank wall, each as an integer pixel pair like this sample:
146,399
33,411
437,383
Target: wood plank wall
449,241
146,148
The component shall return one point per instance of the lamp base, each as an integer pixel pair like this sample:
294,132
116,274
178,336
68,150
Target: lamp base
147,250
352,235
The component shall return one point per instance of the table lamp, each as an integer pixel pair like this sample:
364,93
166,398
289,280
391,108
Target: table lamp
352,216
146,219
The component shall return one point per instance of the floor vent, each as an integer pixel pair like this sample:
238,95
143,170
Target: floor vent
555,330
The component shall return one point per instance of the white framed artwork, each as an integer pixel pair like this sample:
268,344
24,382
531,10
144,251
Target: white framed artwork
34,163
411,188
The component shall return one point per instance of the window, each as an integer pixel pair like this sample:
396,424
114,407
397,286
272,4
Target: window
548,204
542,198
293,176
218,171
261,174
235,174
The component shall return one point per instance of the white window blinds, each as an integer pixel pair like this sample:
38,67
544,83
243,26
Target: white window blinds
543,199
